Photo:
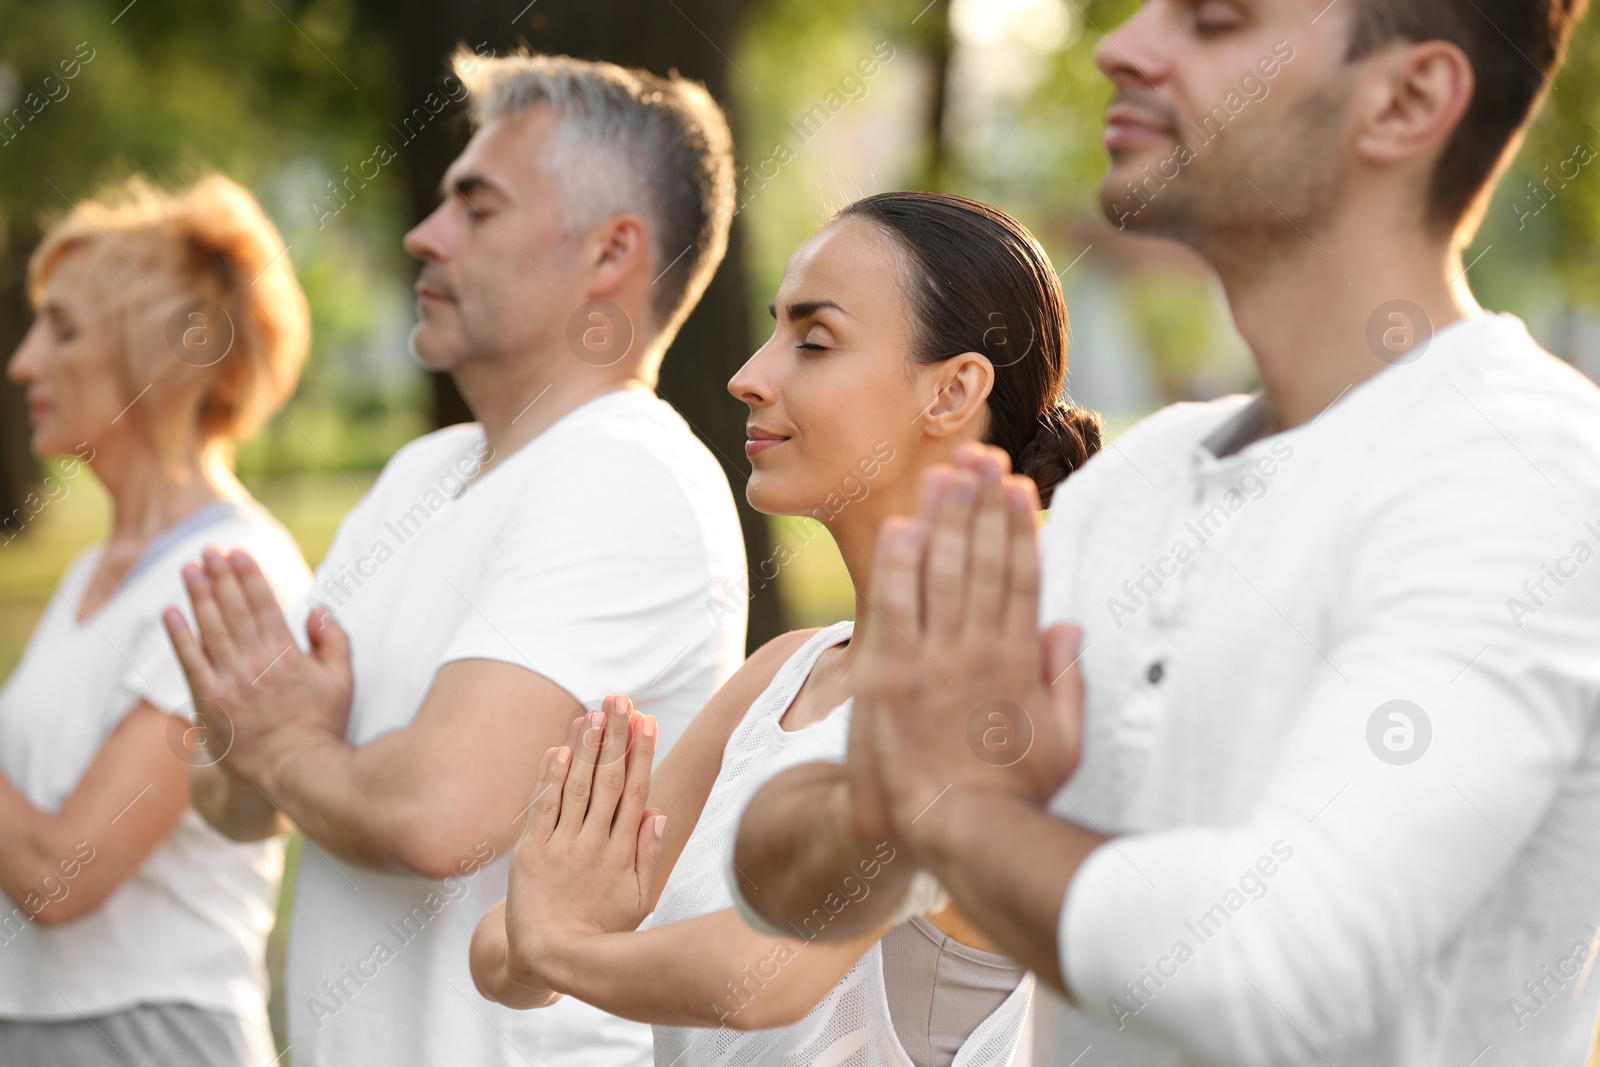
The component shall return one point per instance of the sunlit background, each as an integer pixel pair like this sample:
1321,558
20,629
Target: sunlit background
997,99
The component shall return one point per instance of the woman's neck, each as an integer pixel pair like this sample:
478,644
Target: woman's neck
148,495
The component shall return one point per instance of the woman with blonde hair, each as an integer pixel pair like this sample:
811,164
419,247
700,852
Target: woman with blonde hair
169,325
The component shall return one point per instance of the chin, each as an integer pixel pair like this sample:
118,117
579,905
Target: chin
767,494
429,351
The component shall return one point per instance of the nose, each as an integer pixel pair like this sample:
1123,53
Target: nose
1131,55
752,383
426,240
23,366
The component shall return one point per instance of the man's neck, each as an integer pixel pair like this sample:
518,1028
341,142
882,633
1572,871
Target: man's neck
517,404
1324,313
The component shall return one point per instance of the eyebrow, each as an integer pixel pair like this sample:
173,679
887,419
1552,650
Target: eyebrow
806,309
467,186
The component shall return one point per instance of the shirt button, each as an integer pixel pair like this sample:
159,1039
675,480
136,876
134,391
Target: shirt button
1155,673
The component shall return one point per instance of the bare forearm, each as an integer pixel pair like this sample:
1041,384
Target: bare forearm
711,971
796,851
1011,883
35,850
327,789
384,805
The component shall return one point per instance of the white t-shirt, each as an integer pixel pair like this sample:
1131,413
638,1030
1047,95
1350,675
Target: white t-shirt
1285,886
189,925
600,555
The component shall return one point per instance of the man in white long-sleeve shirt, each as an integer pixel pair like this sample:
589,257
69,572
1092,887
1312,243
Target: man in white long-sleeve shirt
1339,673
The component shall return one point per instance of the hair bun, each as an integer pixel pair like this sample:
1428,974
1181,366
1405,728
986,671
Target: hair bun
1066,438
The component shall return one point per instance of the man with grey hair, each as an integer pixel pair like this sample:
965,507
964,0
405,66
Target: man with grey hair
492,586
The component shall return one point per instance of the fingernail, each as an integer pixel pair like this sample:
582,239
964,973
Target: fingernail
649,727
563,754
661,824
597,718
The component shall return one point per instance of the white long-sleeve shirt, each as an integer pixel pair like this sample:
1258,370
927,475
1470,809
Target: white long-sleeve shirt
1342,697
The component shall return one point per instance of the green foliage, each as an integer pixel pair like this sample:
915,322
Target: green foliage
277,94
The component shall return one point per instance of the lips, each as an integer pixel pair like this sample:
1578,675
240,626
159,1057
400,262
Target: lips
1127,126
758,440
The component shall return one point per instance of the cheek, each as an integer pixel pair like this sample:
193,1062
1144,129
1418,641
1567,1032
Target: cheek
89,384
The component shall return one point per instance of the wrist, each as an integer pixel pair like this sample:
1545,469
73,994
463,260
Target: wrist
285,753
545,960
944,833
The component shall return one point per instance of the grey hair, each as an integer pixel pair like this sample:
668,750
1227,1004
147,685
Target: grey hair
629,141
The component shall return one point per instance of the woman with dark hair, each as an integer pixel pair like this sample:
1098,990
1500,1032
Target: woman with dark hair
910,324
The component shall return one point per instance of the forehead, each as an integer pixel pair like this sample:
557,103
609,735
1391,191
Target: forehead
850,253
507,149
70,275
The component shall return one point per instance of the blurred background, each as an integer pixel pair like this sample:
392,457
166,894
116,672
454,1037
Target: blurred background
304,101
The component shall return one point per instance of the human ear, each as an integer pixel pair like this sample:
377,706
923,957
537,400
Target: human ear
961,385
1413,99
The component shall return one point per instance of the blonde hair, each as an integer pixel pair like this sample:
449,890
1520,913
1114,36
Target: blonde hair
200,297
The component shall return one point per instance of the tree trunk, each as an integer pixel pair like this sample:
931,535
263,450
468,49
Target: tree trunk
693,37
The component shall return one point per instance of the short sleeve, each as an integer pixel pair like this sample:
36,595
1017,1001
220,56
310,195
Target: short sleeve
153,674
600,577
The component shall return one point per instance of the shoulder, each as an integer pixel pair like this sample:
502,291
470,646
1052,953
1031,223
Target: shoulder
629,447
274,549
1498,418
635,423
715,724
762,666
424,456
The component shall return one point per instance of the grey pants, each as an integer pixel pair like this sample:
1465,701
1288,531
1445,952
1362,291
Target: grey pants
150,1035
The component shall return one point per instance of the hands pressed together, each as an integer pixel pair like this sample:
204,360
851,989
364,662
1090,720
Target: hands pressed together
587,859
957,691
257,695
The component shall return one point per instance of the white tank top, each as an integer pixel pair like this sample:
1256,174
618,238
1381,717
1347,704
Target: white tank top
852,1025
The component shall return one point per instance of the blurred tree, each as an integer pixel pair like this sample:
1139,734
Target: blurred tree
94,90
